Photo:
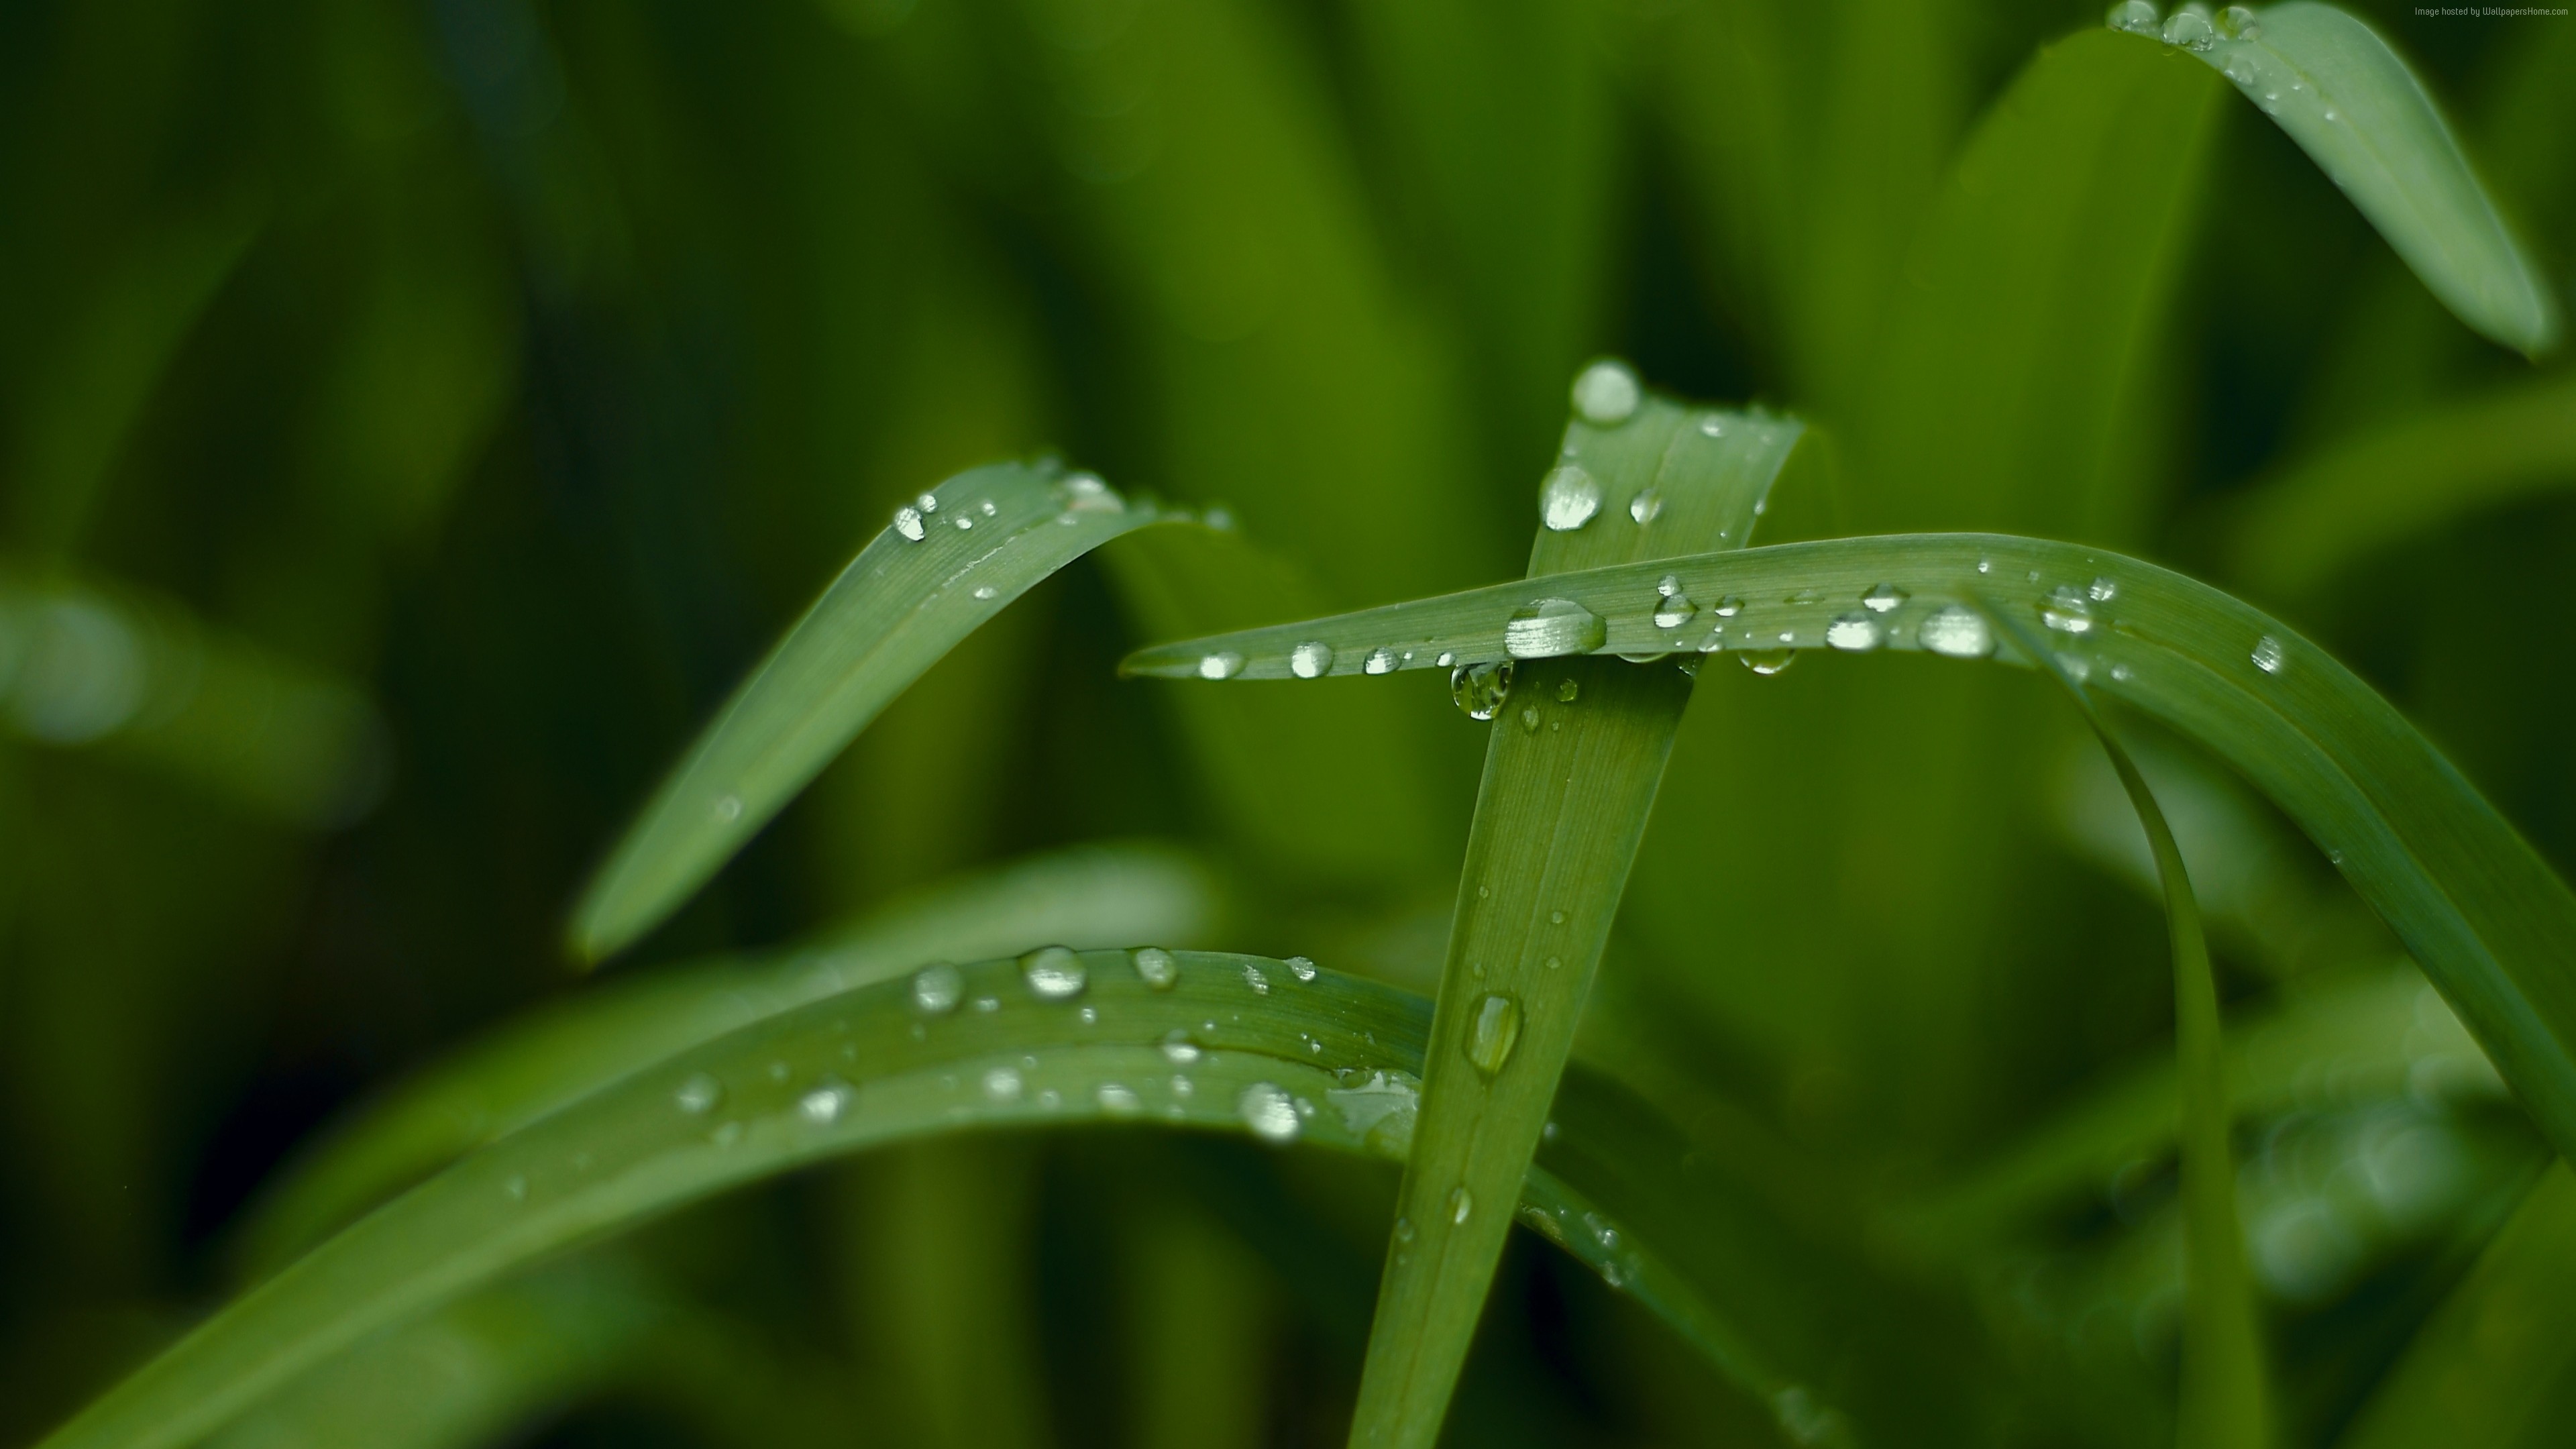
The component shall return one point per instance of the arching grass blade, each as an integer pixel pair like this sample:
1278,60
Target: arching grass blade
944,566
2491,924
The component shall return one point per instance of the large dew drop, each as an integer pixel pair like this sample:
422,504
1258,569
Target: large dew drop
2068,611
1550,628
1381,660
1269,1112
1480,689
1854,632
907,521
1957,631
1492,1032
2237,23
1645,506
2268,655
1224,664
1674,610
1568,499
1158,967
1311,660
2134,16
1606,394
1054,973
2189,28
936,989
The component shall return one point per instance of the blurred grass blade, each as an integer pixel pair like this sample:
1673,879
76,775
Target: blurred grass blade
1571,769
1282,1050
537,1064
2222,1395
2331,83
2493,1365
2492,925
927,581
2295,534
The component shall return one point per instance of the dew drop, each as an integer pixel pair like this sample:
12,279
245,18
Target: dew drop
698,1094
1669,586
1118,1101
936,989
1480,689
1002,1084
1300,967
1404,1230
1269,1112
1085,493
1855,632
1253,978
964,522
729,808
2237,22
1311,660
1568,499
1159,968
1492,1032
1054,973
1550,628
1645,506
823,1105
1462,1205
1556,918
1728,607
1767,662
1567,691
2189,28
1606,394
907,521
1957,631
2134,16
1529,719
988,1004
987,591
2102,590
2067,610
1178,1048
515,1188
1675,611
2238,69
928,502
1381,660
2268,654
1712,426
1884,599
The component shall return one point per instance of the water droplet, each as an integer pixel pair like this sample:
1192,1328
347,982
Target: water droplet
1529,719
927,502
1884,599
1957,631
1767,662
1549,628
515,1188
1054,973
698,1094
1178,1047
936,988
1161,970
1605,394
964,522
2238,69
2267,654
2189,28
1568,498
1311,660
1645,506
1085,493
1381,1110
778,1071
988,1004
1462,1205
1712,426
1446,659
1803,597
1492,1032
1002,1084
1381,660
1089,1016
1480,689
1253,978
823,1105
1728,607
1547,1131
2067,610
1556,918
1676,611
1269,1112
2238,21
907,521
2134,16
1118,1101
1854,631
1224,664
2102,590
1300,967
729,808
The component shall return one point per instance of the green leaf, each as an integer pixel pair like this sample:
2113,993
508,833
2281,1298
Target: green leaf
2222,1397
1571,769
901,604
2492,1365
2363,497
2336,88
2492,925
539,1063
1194,1040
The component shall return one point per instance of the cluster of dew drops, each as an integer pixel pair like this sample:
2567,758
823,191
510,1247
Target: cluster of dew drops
2194,28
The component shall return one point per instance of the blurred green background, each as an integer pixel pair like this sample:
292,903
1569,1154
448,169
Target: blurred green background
415,417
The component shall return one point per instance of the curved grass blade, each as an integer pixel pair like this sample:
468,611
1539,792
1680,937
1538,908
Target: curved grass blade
2492,925
2222,1396
979,541
2330,82
2299,532
1572,765
538,1064
1206,1041
2492,1366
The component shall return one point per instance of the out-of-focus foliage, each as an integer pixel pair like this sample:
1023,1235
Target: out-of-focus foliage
416,416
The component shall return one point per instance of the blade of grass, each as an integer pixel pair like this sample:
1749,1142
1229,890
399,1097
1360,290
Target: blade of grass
1571,769
1230,1043
2222,1396
2487,918
2334,86
931,578
540,1063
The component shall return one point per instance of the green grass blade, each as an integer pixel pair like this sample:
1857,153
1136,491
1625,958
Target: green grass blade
2488,919
1571,769
2493,1364
2330,82
540,1063
2222,1396
2293,535
901,604
1282,1050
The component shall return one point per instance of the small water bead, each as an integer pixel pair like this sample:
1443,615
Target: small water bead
2190,29
1002,1084
698,1094
778,1071
1178,1048
928,502
1224,664
1159,968
936,989
988,1004
824,1105
1088,1016
1556,918
1269,1112
1529,719
1085,493
987,508
1118,1101
1381,660
1728,607
1713,426
1552,628
1606,394
987,591
1253,978
1767,662
1645,506
1311,660
2102,590
1462,1205
1884,599
2268,654
1445,659
907,521
1675,611
1054,973
1958,632
1480,689
964,522
1492,1032
2067,610
728,808
1568,498
2237,22
1854,632
1300,967
726,1134
2134,16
